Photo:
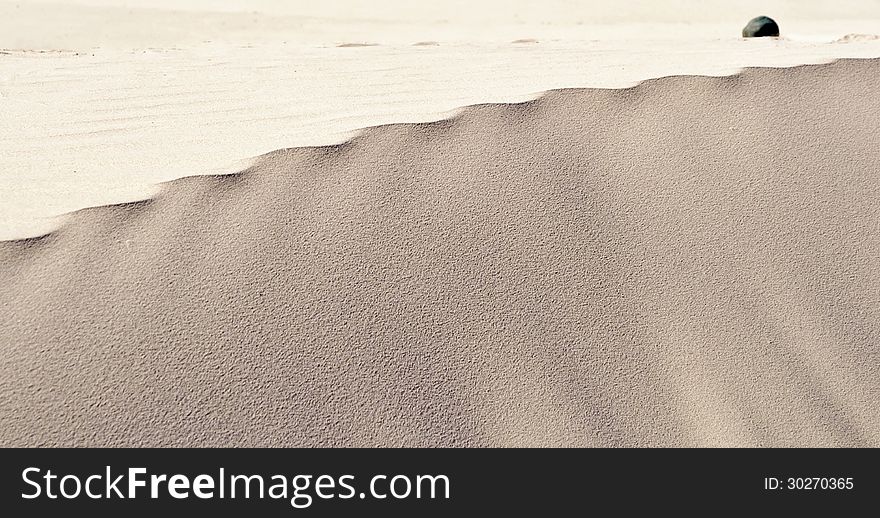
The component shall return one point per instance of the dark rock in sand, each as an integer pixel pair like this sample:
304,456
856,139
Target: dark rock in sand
760,27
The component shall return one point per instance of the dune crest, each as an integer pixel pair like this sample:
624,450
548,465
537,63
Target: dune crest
692,261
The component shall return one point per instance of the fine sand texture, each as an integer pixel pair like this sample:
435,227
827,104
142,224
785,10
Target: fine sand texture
87,129
694,261
100,101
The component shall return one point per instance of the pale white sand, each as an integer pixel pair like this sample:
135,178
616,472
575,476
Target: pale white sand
122,96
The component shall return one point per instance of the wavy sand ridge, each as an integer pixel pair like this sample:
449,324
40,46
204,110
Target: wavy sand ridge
103,127
693,261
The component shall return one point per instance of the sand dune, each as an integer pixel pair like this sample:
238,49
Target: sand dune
106,126
692,261
102,101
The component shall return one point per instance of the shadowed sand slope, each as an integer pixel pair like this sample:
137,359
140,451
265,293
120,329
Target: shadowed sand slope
693,261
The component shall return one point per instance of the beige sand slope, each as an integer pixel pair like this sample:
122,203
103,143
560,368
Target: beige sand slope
128,95
693,261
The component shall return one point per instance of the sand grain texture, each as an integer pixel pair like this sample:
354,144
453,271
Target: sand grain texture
100,102
693,261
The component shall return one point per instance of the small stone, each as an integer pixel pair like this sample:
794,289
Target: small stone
760,27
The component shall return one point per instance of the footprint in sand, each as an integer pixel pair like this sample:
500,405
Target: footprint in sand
850,38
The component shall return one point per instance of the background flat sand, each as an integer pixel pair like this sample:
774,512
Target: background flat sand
100,100
693,261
